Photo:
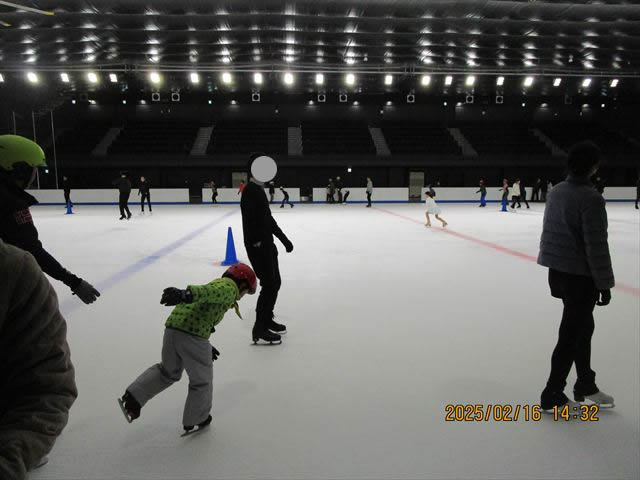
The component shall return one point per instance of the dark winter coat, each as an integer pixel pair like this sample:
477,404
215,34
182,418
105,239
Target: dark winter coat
143,189
123,184
17,228
257,223
38,380
574,232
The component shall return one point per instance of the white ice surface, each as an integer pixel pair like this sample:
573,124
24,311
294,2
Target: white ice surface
388,322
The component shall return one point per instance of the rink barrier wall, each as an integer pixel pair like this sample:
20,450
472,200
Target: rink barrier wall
180,196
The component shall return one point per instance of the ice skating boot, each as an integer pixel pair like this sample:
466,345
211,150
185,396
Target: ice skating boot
276,327
189,429
600,398
130,406
43,461
549,400
265,335
122,217
129,216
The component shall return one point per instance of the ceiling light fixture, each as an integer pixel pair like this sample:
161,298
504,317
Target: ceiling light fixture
528,81
32,77
500,81
257,78
614,83
426,80
154,77
64,77
319,79
388,79
288,78
92,77
448,80
226,78
195,78
470,81
586,82
350,79
557,82
113,78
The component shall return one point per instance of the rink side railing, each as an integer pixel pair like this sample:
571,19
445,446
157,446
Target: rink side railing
180,196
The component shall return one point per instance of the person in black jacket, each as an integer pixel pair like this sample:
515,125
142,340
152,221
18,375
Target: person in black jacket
544,188
285,198
535,195
66,187
143,192
339,189
124,186
483,193
272,191
259,227
19,159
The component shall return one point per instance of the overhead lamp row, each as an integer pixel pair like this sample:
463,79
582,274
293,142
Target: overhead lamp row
289,79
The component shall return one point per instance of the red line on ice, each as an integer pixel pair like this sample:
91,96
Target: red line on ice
508,251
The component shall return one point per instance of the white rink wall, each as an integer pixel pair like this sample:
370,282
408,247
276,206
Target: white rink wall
230,195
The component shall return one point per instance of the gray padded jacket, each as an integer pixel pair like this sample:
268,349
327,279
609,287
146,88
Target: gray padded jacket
574,232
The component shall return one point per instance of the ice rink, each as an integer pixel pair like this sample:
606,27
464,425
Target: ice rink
388,323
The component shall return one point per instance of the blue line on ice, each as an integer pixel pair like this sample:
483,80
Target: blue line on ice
71,304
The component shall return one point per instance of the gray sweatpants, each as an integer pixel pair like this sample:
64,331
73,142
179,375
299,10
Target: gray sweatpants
180,351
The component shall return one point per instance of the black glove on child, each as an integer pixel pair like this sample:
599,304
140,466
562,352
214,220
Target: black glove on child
605,298
173,296
214,353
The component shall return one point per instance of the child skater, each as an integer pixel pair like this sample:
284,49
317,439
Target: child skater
505,194
186,345
483,193
432,207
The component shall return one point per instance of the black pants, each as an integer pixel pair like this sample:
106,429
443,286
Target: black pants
67,197
535,195
368,199
148,197
285,200
637,199
264,260
214,198
123,202
271,197
515,199
339,196
579,295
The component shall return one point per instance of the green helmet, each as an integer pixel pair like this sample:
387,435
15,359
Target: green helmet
15,149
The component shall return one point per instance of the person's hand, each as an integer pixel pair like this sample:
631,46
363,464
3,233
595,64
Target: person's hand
86,292
257,244
288,246
214,353
605,297
173,296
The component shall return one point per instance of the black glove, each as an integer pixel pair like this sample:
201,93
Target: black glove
288,246
173,296
214,353
605,297
86,292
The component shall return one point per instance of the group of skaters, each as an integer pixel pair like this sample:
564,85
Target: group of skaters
39,376
123,184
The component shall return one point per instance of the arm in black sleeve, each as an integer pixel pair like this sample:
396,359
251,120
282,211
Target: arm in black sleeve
26,237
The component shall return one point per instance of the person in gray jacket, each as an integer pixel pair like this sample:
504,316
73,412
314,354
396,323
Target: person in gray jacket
37,380
574,247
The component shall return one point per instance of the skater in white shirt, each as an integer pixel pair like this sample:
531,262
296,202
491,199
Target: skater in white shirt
432,207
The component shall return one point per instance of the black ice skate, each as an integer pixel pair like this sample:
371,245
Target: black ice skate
276,327
129,406
190,429
267,336
122,217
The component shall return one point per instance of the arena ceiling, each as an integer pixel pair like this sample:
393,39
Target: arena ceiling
368,38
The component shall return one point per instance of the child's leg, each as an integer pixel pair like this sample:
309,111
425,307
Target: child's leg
196,354
444,222
428,222
160,376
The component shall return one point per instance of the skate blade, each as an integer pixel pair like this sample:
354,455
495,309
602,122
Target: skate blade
195,430
587,402
279,333
264,343
124,411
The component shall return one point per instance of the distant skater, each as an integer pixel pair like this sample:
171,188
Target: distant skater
346,195
144,193
214,192
198,310
66,187
515,194
483,194
432,208
332,191
124,186
505,194
369,191
285,198
339,189
523,193
535,194
272,191
543,190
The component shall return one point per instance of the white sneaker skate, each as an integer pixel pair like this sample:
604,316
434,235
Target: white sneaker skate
601,399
